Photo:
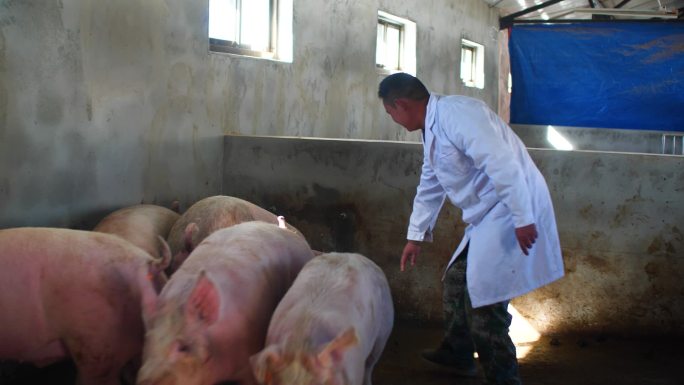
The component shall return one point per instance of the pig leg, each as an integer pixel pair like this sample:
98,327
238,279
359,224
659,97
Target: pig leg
96,368
130,371
370,364
246,377
97,372
372,359
101,356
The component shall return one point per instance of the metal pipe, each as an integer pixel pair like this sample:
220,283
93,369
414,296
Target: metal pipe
674,145
619,12
508,20
622,3
580,21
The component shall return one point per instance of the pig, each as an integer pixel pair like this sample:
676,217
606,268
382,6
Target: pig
331,327
79,294
207,216
213,313
141,225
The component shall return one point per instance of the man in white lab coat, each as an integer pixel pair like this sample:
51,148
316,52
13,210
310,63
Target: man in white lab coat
510,246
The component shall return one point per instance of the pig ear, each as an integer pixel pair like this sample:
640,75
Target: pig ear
204,301
148,299
190,230
165,252
263,364
175,206
333,353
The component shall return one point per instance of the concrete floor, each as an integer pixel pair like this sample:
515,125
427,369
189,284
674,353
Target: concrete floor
559,360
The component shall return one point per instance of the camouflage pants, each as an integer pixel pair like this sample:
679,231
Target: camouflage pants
484,329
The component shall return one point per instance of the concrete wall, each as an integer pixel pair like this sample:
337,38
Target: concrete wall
105,107
107,104
605,139
619,218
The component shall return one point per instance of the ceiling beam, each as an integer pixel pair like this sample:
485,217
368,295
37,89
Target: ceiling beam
582,21
508,20
617,12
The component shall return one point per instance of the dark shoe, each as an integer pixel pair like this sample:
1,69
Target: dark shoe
464,367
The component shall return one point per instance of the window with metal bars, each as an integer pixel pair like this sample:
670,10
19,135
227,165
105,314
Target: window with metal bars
472,64
245,27
468,64
390,45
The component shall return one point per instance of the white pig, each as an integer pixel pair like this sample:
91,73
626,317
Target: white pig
141,225
213,313
208,215
69,293
331,327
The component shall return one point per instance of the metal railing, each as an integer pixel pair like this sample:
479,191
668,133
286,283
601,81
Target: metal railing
673,144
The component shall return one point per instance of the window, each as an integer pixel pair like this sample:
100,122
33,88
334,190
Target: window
258,28
396,44
390,36
472,64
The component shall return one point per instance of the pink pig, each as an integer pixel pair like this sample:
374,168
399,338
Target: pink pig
141,225
207,216
213,313
331,327
69,293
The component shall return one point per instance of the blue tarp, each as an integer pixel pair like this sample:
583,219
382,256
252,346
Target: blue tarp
603,75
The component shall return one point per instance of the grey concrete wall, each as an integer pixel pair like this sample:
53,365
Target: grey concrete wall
619,218
331,88
605,139
104,106
109,103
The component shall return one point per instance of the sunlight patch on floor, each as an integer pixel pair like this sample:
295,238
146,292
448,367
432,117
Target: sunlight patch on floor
523,334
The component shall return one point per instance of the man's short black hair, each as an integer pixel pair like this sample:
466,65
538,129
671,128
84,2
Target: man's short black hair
401,85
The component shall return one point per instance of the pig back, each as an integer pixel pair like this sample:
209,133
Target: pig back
336,317
245,260
335,291
213,213
70,285
140,225
218,305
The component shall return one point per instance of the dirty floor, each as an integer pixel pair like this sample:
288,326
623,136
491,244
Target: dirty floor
550,360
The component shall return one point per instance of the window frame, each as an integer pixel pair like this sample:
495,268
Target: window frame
238,48
407,43
386,24
476,64
472,65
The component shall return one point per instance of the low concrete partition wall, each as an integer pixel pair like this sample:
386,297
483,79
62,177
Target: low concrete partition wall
603,139
620,219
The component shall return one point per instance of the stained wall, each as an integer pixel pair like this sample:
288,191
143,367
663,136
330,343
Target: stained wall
107,104
619,219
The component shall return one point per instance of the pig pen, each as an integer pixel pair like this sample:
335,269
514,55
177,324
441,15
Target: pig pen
616,317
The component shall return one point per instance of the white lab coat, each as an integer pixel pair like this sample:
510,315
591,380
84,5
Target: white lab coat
474,158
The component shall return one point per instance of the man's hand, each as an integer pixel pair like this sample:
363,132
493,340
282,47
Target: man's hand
411,251
526,236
